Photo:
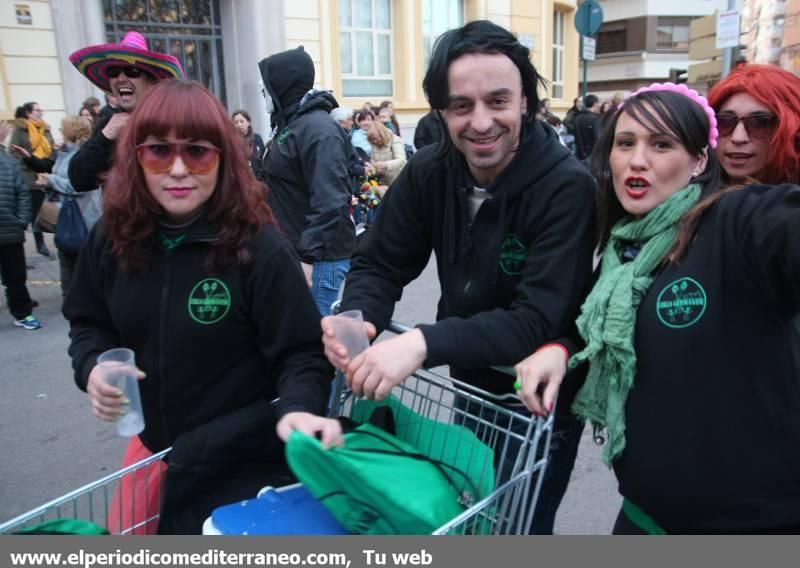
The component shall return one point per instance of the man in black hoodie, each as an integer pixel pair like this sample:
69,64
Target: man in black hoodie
306,171
509,214
588,125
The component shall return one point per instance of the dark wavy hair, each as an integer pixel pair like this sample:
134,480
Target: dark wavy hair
237,208
661,112
482,37
24,110
779,91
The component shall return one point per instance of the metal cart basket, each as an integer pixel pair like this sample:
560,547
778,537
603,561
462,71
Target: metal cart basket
519,441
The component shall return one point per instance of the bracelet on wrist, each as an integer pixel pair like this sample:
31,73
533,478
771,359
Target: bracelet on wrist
555,344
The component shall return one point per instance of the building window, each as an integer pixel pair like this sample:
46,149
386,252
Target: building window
672,32
613,37
557,80
438,17
188,29
365,39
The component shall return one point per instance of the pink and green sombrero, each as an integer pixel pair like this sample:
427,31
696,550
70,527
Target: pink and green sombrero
93,61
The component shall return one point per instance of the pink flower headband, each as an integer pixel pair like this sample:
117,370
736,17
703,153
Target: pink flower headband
713,133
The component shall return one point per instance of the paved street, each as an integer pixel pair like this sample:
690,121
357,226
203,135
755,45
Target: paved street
51,443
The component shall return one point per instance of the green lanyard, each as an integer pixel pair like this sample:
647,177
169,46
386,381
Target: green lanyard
641,519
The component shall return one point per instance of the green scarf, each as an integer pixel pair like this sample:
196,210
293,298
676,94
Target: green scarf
608,317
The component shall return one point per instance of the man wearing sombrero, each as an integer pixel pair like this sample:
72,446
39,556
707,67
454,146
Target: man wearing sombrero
126,70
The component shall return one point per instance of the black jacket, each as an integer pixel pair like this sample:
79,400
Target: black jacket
307,166
15,201
209,343
257,156
569,119
30,167
93,160
713,419
588,126
429,130
511,279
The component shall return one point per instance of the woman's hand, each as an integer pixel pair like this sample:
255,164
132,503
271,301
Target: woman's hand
107,401
41,179
329,429
547,366
20,150
380,167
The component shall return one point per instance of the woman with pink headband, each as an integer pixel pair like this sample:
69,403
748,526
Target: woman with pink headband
688,330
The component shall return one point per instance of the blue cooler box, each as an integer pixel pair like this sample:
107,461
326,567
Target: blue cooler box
289,510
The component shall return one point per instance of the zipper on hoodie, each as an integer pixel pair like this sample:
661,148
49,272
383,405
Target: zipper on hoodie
162,326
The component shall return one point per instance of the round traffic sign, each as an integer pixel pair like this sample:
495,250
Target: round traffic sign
589,18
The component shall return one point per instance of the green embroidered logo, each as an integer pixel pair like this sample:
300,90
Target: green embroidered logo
681,303
284,134
209,301
512,255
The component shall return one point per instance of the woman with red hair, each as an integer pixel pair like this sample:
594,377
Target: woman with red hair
758,115
188,269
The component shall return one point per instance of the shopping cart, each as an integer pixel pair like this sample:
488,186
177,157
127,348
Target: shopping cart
519,444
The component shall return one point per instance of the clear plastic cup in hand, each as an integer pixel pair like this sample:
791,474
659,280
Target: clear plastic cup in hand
119,370
350,331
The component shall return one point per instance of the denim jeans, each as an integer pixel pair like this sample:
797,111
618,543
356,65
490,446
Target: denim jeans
327,278
567,431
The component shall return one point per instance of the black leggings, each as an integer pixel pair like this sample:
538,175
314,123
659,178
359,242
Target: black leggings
37,198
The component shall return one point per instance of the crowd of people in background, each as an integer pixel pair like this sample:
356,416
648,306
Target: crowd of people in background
688,203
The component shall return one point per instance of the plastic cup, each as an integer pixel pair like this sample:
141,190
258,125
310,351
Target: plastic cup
119,370
349,330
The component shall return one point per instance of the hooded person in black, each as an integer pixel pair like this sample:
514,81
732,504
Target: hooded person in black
306,170
509,214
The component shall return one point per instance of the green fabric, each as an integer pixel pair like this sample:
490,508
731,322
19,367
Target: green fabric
608,316
374,484
65,526
452,444
641,519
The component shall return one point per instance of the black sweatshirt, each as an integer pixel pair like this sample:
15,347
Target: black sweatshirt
713,420
210,344
512,278
92,160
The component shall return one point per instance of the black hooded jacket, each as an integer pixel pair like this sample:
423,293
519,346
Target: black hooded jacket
306,168
512,278
266,344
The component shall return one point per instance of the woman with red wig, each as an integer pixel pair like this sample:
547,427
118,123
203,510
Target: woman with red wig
188,269
758,115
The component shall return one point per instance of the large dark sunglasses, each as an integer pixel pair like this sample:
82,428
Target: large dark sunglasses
130,72
758,124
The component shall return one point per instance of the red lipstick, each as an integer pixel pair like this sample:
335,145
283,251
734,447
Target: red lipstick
636,187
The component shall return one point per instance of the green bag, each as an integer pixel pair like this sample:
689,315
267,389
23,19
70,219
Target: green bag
381,484
452,444
64,527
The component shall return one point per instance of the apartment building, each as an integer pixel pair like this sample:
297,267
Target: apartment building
790,54
642,40
762,30
362,49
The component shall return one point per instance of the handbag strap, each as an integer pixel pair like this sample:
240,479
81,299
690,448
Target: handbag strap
401,452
